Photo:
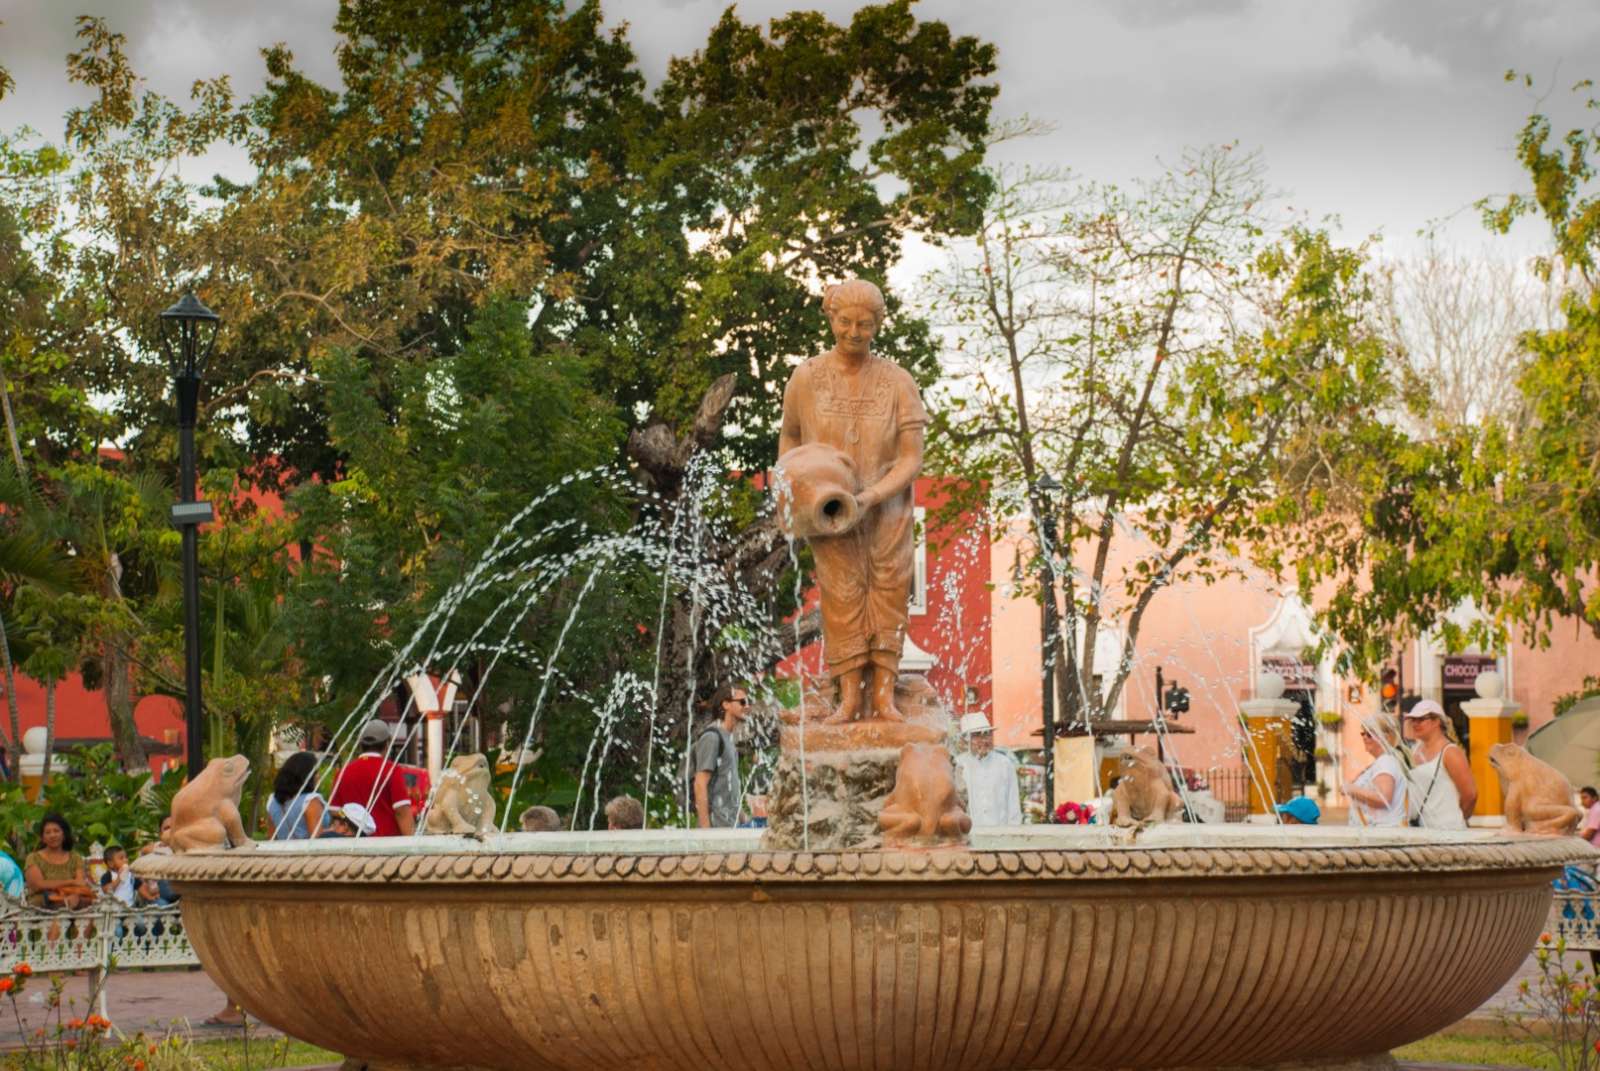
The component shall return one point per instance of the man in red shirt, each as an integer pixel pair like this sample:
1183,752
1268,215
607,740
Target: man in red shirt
377,784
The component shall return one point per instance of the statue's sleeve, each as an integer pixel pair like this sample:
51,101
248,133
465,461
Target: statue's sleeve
909,411
792,405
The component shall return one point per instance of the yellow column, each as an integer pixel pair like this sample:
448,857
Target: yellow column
1488,724
1484,731
1268,758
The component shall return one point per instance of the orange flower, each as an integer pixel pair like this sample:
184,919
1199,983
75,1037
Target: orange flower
75,1024
1544,938
138,1065
7,985
22,970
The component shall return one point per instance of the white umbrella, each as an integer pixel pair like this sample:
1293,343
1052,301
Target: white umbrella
1571,743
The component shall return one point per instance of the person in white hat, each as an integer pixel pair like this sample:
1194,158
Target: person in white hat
350,820
993,798
1441,776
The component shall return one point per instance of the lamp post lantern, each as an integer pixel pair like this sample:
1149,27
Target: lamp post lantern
188,333
1044,493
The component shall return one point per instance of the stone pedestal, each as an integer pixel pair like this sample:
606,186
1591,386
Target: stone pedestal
831,800
1267,721
1488,724
837,803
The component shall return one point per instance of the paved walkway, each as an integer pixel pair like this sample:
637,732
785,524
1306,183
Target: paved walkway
155,1001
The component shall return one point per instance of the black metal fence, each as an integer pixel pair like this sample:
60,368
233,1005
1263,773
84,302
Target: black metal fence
1231,785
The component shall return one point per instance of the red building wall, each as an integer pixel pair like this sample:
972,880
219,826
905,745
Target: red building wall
952,623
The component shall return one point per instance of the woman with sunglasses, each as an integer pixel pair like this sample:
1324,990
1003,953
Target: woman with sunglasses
1377,794
1441,776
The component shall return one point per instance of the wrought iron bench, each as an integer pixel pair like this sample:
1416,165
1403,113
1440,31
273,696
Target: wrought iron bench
1575,917
101,938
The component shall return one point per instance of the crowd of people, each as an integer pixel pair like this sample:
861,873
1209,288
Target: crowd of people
55,876
370,796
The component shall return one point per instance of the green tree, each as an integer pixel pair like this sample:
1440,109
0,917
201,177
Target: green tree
1180,370
1504,513
439,460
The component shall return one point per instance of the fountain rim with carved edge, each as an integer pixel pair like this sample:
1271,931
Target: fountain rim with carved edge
1039,868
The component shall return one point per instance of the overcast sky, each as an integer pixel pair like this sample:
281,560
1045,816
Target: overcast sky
1391,113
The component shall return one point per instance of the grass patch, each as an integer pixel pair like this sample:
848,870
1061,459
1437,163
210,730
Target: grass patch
265,1053
177,1053
1491,1051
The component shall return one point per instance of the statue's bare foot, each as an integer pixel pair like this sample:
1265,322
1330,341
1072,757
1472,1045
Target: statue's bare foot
849,701
883,698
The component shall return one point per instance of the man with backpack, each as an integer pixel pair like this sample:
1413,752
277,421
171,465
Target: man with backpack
716,786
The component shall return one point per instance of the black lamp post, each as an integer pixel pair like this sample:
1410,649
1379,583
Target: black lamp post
1044,493
188,333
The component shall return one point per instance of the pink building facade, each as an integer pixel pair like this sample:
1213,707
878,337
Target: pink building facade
1215,639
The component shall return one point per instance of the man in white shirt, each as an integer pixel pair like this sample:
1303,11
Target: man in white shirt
990,776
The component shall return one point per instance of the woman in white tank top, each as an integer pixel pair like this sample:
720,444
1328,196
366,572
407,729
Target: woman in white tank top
1378,793
1441,777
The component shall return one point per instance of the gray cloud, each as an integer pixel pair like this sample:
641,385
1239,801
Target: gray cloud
1391,114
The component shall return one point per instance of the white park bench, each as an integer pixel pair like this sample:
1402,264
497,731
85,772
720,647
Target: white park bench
103,937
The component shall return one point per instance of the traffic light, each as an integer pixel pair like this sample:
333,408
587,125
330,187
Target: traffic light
1389,690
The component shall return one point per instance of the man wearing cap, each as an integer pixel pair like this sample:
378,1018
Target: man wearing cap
373,782
990,776
1299,811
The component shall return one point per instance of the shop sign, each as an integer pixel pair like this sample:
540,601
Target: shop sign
1460,672
1298,675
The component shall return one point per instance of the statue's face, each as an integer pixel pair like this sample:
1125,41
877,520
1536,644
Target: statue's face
853,329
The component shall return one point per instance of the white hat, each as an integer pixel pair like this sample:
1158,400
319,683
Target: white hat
975,723
1426,709
357,816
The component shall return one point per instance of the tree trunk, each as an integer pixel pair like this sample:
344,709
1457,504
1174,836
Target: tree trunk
49,732
119,706
11,702
11,426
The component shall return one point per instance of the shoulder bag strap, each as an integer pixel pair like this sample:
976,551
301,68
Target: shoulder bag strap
1437,770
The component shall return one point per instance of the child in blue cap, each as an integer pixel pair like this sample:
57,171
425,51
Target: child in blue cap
1299,811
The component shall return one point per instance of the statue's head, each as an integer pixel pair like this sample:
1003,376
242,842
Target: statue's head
855,310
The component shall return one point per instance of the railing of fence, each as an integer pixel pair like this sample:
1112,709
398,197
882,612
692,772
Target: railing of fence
98,937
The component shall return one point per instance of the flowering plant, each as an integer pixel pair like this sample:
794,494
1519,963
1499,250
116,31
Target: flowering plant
1560,1008
1073,814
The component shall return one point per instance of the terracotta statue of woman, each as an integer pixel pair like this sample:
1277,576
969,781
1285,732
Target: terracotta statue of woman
868,409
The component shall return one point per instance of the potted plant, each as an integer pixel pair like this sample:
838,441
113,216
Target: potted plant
1324,755
1330,719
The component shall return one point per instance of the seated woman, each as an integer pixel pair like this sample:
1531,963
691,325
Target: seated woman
56,876
296,810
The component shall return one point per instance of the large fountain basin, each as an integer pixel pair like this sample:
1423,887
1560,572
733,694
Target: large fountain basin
1040,948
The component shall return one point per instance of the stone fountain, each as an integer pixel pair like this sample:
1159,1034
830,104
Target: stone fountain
868,930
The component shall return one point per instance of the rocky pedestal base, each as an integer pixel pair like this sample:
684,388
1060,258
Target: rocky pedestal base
849,770
835,807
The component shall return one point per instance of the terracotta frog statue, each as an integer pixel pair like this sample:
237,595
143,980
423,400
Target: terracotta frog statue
205,812
1144,792
463,803
924,809
1538,796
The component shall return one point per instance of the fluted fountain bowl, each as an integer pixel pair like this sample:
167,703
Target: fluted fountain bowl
1041,948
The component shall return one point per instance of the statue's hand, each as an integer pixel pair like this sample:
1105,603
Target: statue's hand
866,499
